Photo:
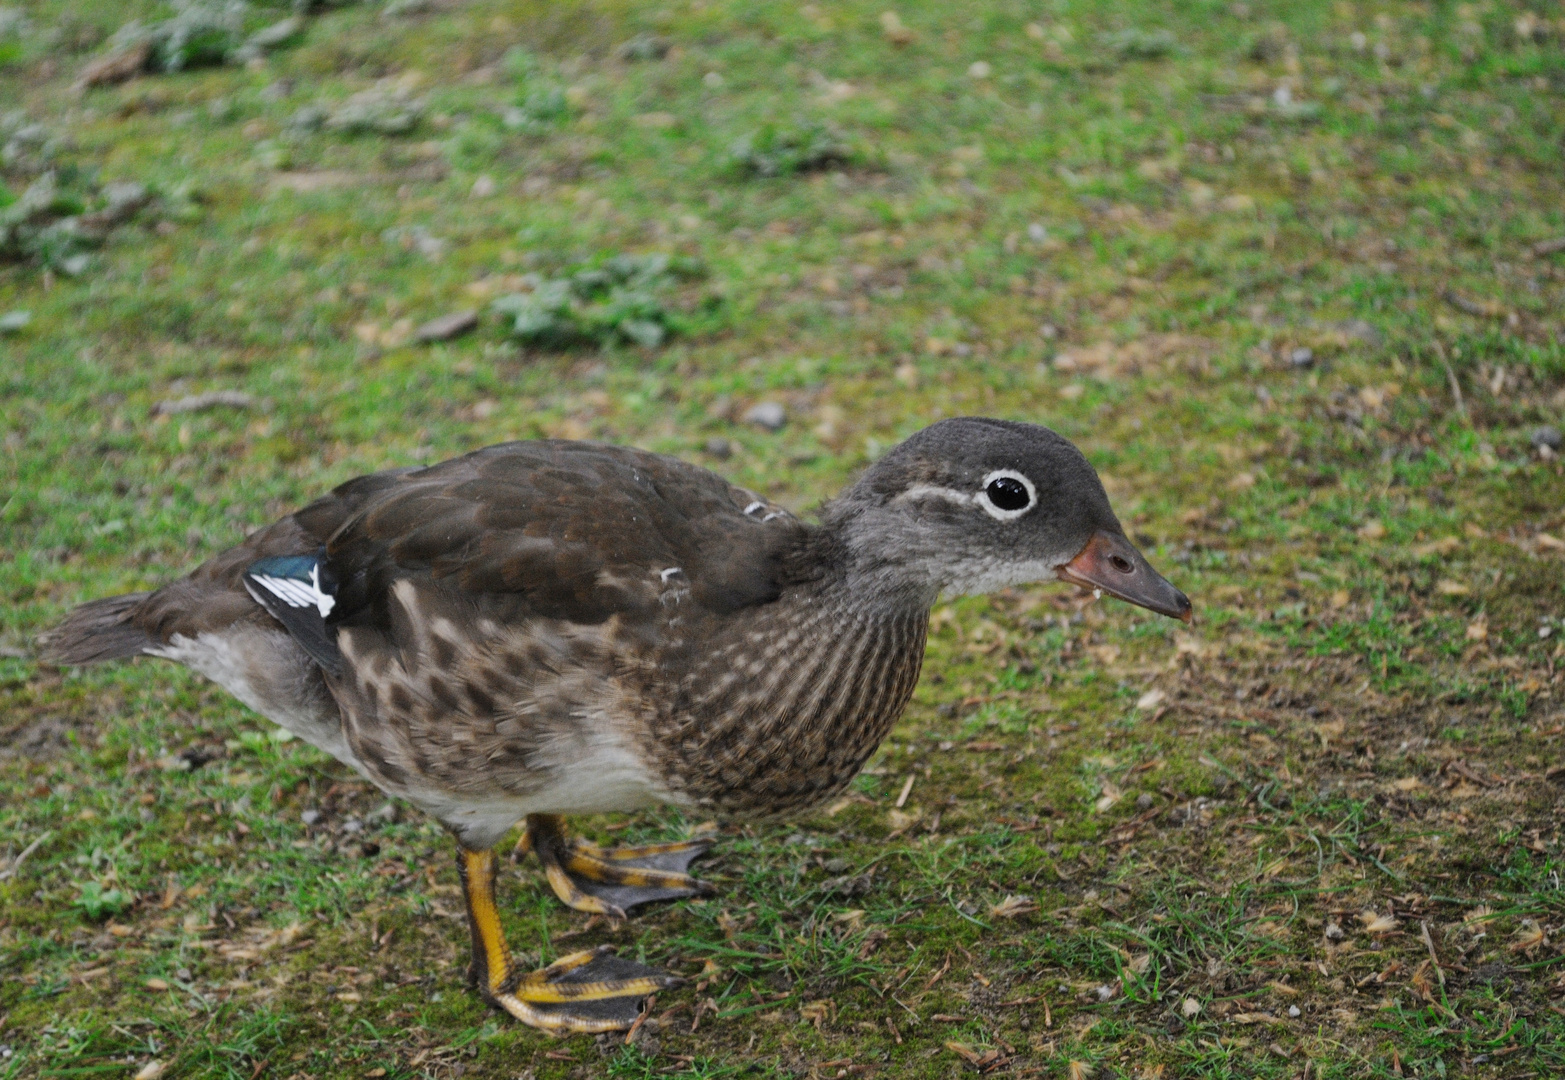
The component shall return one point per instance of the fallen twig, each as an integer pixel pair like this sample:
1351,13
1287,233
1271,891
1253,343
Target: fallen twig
233,399
16,863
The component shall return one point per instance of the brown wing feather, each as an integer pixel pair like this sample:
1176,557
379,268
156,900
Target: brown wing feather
559,530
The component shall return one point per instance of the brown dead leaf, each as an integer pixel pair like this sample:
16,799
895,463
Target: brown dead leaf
1329,730
1444,546
1372,530
817,1012
117,67
1489,309
891,25
1528,937
1478,629
1013,906
1105,359
1447,587
1421,983
853,919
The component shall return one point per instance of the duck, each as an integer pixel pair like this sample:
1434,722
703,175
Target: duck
548,628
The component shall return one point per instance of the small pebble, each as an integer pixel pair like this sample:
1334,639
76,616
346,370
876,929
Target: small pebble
768,414
14,322
719,447
310,817
483,187
1301,357
1294,1011
447,326
1546,436
384,814
1143,801
644,47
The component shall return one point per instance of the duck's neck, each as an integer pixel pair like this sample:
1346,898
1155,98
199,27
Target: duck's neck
785,701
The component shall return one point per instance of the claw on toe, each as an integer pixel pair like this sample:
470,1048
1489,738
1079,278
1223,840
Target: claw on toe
610,881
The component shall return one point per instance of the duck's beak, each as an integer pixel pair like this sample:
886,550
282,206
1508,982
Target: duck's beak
1112,563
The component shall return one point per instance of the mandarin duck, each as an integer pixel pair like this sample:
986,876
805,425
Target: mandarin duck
549,627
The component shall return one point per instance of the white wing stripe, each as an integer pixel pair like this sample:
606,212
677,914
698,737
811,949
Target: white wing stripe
296,593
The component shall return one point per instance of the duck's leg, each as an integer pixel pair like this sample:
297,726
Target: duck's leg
587,991
610,881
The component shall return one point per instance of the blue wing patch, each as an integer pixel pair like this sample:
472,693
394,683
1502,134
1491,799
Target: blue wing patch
299,591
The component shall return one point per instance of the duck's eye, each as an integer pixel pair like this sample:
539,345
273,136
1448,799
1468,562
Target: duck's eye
1008,493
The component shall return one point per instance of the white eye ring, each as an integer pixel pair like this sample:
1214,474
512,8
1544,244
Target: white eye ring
982,498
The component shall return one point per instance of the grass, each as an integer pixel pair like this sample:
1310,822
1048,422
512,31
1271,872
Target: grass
1274,267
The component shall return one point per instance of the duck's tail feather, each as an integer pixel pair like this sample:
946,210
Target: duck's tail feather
96,631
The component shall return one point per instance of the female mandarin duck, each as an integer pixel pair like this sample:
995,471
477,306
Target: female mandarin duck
548,628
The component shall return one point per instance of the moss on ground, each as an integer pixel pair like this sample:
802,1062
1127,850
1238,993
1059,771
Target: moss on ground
1289,274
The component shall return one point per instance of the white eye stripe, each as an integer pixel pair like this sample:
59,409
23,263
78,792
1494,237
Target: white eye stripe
982,498
930,491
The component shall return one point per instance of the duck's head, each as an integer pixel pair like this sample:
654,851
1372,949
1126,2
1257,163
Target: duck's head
972,505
